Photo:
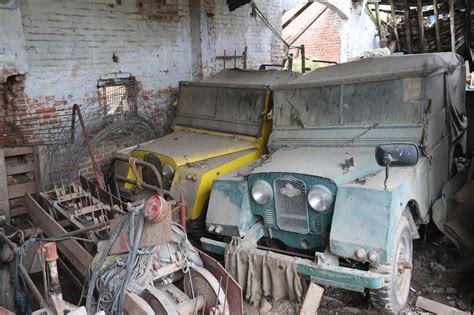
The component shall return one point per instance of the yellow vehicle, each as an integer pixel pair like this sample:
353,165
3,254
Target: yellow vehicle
221,124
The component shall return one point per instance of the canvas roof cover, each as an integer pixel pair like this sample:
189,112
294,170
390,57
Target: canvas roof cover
393,68
380,68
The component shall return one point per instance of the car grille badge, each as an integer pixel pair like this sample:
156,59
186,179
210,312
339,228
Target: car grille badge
290,191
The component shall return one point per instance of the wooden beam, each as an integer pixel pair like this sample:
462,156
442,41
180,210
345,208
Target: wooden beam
437,308
4,187
74,252
468,25
394,20
312,299
407,25
20,169
436,14
13,151
451,25
18,190
298,13
41,163
305,28
422,27
377,18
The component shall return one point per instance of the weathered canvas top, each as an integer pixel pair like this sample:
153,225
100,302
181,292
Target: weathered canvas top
379,68
257,78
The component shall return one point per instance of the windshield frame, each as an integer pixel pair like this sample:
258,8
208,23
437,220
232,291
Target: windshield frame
288,116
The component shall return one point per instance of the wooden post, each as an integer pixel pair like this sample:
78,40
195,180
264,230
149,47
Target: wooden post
224,58
468,25
4,187
41,167
422,27
245,57
377,17
394,19
407,25
312,299
451,25
436,13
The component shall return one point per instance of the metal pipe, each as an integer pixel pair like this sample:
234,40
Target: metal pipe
159,191
98,174
303,59
183,212
82,231
139,162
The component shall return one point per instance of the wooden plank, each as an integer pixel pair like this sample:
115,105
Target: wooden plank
18,190
436,14
3,186
13,151
75,253
298,13
394,20
437,308
451,25
305,27
422,27
14,212
407,26
20,169
311,301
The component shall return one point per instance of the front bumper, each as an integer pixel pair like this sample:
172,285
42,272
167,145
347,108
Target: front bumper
320,273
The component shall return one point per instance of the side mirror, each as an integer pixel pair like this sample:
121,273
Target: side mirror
396,154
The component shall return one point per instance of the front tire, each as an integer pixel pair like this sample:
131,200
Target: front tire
393,296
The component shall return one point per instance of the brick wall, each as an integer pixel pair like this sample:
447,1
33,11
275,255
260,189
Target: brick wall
322,40
333,37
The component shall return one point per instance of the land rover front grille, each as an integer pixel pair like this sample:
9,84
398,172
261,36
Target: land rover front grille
291,206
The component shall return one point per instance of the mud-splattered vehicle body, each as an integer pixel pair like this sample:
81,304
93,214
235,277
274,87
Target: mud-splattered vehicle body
322,191
221,124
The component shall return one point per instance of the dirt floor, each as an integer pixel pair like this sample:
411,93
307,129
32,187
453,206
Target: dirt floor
439,274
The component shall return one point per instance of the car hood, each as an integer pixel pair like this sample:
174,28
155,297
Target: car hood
188,146
323,162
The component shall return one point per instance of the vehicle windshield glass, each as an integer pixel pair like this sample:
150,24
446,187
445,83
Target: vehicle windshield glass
228,109
394,102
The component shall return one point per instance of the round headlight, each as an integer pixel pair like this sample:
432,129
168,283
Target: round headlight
262,192
320,198
168,171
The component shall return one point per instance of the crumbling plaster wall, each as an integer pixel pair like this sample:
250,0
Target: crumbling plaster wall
358,33
64,47
12,41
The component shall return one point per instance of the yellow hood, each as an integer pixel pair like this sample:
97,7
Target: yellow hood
187,146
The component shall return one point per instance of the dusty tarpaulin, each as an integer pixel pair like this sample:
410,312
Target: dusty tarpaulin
252,77
377,69
230,101
261,274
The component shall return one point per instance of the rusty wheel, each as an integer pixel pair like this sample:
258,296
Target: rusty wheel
393,296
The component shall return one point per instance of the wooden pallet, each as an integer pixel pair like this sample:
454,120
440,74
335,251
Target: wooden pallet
28,162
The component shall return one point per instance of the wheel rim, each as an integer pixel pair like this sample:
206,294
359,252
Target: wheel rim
403,268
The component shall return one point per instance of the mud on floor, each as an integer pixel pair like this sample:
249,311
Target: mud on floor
439,274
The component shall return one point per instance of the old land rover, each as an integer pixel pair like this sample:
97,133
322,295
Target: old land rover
221,124
359,153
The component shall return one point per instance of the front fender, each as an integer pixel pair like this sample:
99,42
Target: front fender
366,215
